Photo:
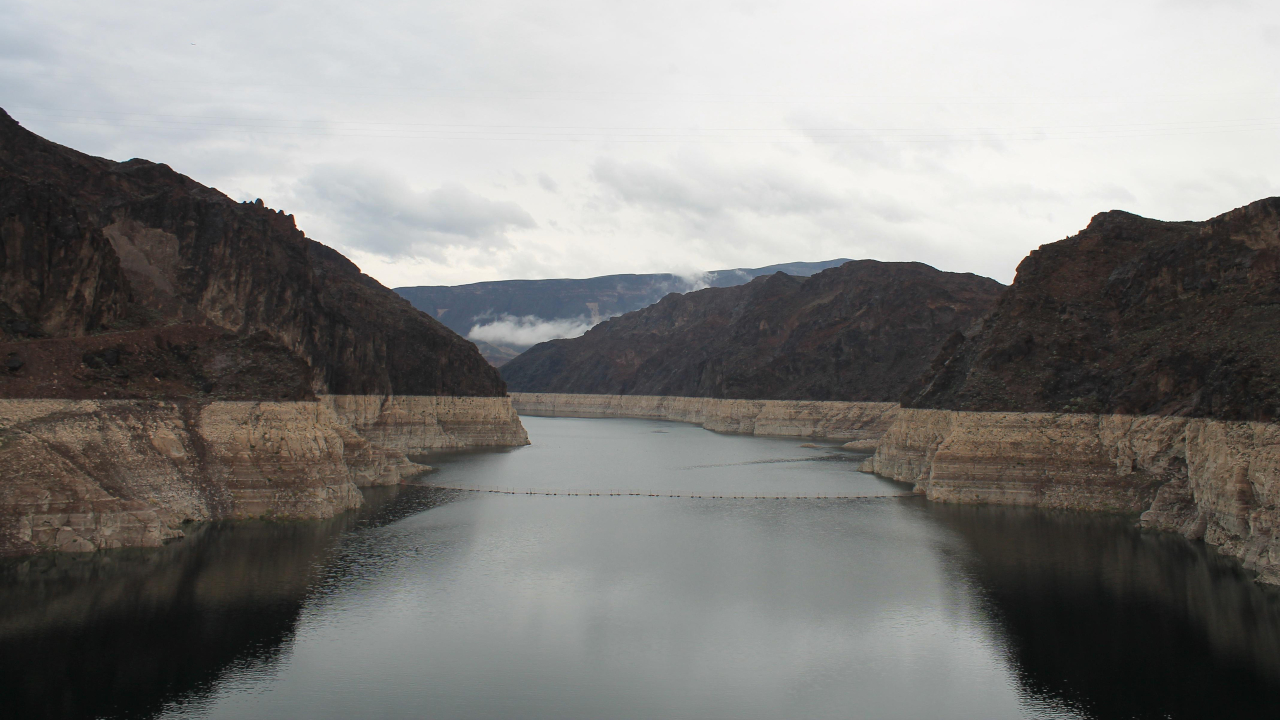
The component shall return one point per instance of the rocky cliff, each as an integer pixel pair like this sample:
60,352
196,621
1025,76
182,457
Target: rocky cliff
171,355
1131,316
200,286
859,332
1206,479
79,475
1134,367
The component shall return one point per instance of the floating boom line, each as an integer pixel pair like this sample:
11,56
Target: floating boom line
643,493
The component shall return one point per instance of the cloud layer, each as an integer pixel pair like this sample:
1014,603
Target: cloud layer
523,332
382,215
442,143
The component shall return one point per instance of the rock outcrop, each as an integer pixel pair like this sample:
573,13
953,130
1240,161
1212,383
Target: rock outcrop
91,247
862,331
421,424
79,475
1206,479
171,355
1131,316
851,421
1134,367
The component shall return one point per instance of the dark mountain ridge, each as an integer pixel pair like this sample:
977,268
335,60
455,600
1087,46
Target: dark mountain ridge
180,290
861,331
1132,316
461,307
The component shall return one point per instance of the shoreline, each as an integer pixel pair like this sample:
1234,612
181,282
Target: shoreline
1211,480
84,475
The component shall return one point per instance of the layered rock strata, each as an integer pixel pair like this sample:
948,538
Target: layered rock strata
79,475
1206,479
422,423
853,421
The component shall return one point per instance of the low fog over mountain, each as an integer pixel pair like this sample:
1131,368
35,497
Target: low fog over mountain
506,317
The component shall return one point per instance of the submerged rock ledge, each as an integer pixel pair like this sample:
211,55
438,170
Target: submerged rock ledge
80,475
1211,480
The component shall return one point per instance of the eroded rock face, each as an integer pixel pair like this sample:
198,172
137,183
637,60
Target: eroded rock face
1131,316
79,475
1206,479
852,421
176,361
419,424
91,246
58,275
859,332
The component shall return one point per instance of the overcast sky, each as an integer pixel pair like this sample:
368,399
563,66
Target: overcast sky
444,143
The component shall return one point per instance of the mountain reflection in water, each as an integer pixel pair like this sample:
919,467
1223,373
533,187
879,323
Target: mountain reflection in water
431,603
1118,623
120,634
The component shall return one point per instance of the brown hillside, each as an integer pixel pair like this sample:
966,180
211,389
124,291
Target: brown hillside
1132,316
91,247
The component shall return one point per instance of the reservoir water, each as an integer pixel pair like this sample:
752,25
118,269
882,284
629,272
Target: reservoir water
437,603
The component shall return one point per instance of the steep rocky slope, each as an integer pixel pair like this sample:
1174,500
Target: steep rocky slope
861,331
91,247
80,475
1131,316
171,355
1130,368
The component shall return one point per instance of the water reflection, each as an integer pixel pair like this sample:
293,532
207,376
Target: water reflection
120,634
461,605
1119,623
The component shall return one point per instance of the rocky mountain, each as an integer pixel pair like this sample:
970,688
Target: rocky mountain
462,307
127,279
1131,316
860,331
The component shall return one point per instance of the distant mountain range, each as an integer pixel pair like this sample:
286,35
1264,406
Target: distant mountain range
861,331
509,316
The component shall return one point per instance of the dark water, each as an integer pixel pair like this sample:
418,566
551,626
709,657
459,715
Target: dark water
446,604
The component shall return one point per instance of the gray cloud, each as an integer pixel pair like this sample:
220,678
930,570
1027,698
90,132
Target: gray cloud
702,187
666,135
383,215
528,330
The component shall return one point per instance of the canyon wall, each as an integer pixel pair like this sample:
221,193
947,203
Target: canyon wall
79,475
1130,316
854,421
1211,480
92,247
1206,479
418,424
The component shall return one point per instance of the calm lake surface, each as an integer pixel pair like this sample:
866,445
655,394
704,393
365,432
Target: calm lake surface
446,604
